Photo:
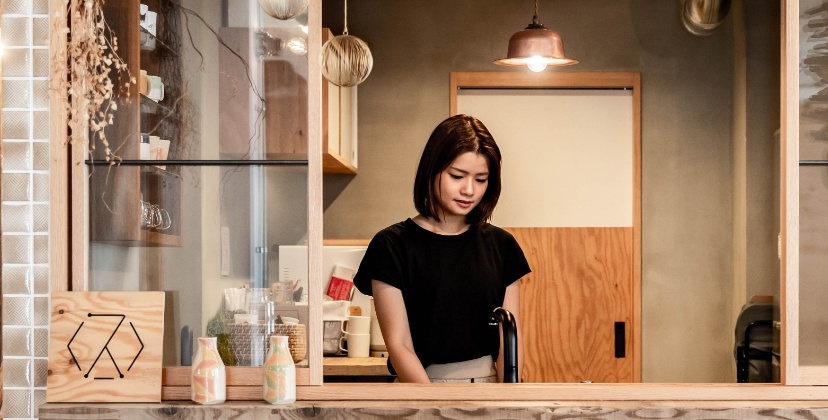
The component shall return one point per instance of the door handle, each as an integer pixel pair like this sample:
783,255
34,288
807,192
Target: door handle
620,340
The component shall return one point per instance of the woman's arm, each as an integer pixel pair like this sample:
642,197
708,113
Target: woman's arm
393,321
511,303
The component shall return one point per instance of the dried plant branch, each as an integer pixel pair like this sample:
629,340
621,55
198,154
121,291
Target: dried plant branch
87,72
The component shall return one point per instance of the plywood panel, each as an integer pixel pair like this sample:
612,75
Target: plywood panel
580,286
105,347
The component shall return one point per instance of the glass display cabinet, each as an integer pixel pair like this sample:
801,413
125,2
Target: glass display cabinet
212,161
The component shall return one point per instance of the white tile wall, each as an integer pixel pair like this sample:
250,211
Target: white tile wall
25,205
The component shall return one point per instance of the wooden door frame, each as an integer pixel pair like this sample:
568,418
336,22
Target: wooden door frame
622,80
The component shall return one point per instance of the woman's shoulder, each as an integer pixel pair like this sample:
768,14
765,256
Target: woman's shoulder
495,233
393,233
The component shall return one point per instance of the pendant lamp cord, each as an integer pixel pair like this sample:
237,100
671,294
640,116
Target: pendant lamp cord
534,19
345,32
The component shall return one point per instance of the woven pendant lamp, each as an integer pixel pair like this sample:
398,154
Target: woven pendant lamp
284,9
346,60
535,47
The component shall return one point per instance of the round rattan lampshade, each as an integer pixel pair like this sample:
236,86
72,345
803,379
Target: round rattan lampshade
346,60
284,9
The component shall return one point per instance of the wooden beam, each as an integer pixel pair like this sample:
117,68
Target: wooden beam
396,393
315,192
789,192
346,242
174,376
813,375
59,217
546,79
560,392
636,276
355,366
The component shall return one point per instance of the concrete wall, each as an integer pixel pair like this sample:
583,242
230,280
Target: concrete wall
687,161
762,23
813,187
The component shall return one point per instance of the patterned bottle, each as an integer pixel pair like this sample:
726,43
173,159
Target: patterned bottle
279,373
208,377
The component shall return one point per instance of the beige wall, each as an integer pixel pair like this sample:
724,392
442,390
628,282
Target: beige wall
569,155
687,161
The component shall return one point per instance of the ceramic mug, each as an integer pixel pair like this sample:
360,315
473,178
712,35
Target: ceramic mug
155,88
358,344
357,325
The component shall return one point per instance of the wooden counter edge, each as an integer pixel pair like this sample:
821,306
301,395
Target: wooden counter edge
527,392
448,409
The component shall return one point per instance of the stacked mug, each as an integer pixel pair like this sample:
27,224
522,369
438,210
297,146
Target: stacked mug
357,332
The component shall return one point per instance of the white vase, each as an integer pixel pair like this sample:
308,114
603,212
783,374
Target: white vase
279,372
208,383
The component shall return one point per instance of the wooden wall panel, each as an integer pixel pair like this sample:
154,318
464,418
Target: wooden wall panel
580,285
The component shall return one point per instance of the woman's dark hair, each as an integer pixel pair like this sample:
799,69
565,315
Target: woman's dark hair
453,137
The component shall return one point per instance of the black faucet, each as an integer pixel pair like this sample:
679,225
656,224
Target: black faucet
510,346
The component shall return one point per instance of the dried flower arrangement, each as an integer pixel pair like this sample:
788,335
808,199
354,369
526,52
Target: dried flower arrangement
91,62
95,74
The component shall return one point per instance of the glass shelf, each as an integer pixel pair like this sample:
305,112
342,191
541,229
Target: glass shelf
195,162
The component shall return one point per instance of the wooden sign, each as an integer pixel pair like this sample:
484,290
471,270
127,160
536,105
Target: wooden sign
105,347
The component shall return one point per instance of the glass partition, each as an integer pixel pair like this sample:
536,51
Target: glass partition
210,237
209,130
813,188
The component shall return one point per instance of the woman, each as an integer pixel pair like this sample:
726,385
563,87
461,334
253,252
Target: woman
437,278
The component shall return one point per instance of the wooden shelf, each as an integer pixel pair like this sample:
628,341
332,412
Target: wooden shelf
332,163
355,366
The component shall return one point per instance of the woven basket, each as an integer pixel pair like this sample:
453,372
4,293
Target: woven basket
250,341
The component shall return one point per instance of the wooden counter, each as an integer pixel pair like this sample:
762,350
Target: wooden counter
355,366
444,409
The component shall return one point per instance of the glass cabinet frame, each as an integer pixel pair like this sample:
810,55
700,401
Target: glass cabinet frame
71,197
69,248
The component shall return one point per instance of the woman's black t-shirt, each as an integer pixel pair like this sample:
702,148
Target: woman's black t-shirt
450,285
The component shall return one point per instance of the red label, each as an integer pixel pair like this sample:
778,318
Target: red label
339,289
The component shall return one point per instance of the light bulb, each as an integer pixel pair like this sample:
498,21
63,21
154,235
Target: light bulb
304,28
536,63
297,46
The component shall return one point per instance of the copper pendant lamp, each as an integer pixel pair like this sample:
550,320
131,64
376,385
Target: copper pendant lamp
536,47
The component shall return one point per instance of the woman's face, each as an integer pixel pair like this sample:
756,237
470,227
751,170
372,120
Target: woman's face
462,185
